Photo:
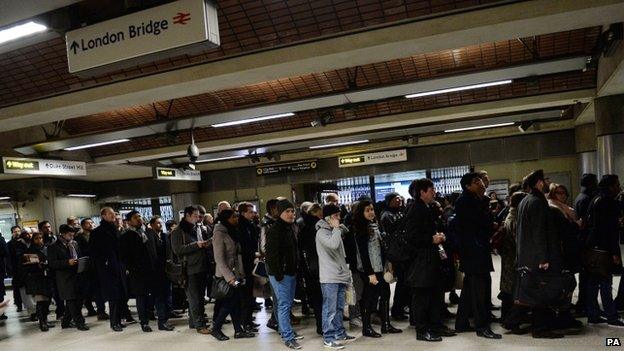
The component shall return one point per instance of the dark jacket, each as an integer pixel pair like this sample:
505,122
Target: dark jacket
389,219
17,249
473,225
369,249
227,253
4,264
602,225
307,244
567,234
281,250
581,205
104,251
249,234
537,239
138,254
184,245
424,268
162,247
66,276
37,276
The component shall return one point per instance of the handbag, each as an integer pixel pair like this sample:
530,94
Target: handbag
544,288
176,271
597,262
388,274
259,270
220,288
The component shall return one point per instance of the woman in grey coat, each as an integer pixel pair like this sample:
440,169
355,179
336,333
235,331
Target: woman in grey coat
229,266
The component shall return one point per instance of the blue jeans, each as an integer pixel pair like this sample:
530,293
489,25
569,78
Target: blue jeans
333,308
604,285
285,292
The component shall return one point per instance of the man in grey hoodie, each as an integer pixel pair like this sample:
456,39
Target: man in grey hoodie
334,276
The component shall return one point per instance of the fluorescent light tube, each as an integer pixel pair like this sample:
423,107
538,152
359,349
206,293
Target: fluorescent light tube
339,144
80,147
4,198
479,127
20,31
250,120
467,87
81,195
220,159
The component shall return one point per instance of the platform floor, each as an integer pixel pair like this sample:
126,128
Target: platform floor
18,334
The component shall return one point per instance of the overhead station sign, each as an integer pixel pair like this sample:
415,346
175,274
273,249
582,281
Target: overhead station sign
32,166
177,174
286,167
372,158
179,27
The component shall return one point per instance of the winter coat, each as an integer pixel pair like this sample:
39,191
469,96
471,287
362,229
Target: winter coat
227,253
37,276
249,235
104,251
184,245
507,252
331,254
474,226
281,250
66,276
424,268
370,254
138,253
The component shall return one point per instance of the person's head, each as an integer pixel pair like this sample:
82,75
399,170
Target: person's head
191,214
26,234
208,219
134,219
171,225
15,231
332,198
156,224
73,221
202,210
87,225
332,211
108,215
286,211
246,210
228,217
535,181
472,183
558,192
363,214
515,187
485,178
223,205
305,207
67,232
393,200
610,185
436,208
36,239
45,227
589,181
423,189
271,208
316,210
516,198
492,195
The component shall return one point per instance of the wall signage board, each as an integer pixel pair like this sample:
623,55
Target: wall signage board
372,158
33,166
286,167
162,173
148,35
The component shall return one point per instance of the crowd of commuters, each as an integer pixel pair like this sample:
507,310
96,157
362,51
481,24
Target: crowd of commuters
338,261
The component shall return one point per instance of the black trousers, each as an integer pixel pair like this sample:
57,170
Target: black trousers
373,295
74,312
475,301
248,301
17,297
230,305
426,308
315,296
401,291
195,292
114,307
143,306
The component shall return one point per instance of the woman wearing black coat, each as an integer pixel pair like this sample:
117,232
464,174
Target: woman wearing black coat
371,267
36,276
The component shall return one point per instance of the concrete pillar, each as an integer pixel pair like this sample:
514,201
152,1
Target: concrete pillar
610,134
585,138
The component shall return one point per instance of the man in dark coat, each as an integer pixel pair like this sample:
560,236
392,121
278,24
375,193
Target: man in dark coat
104,251
249,235
63,257
589,189
161,292
16,282
89,282
4,263
139,256
424,274
474,226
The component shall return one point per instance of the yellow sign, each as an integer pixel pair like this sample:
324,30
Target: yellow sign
351,160
27,165
166,172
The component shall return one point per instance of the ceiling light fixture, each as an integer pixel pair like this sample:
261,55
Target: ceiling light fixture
21,31
87,146
82,195
339,144
466,87
220,159
4,198
479,127
250,120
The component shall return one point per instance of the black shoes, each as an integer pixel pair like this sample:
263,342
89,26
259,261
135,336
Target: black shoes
165,327
103,316
117,328
488,334
250,328
428,336
445,331
387,328
92,313
82,327
146,328
43,326
243,335
370,332
271,325
464,329
219,335
67,325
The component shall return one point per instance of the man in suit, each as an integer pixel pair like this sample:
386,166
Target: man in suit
161,291
474,224
63,257
104,251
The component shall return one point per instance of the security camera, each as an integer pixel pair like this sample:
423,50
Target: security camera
192,152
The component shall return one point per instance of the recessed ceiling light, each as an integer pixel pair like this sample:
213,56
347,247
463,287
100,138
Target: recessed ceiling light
339,144
250,120
82,195
20,31
4,198
87,146
466,87
479,127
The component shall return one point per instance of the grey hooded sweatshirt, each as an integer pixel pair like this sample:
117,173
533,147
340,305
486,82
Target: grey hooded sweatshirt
331,254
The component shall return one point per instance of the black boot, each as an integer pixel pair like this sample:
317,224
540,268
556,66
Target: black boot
43,325
386,327
367,327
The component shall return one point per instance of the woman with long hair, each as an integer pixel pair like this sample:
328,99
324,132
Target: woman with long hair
371,267
38,281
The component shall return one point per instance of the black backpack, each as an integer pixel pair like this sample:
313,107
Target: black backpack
395,244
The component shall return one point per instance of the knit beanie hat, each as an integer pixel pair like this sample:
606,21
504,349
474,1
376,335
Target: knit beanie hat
283,205
330,209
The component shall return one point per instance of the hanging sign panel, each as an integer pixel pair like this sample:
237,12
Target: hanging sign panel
179,27
286,167
372,158
177,174
34,166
